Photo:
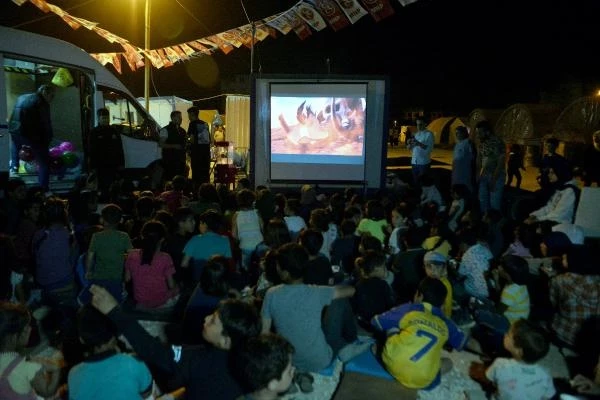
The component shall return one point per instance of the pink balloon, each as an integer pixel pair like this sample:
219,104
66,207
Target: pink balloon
55,152
66,146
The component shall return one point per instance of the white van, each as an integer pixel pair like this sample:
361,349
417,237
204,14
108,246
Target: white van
29,60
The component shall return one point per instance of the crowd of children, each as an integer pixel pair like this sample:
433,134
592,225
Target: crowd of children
265,289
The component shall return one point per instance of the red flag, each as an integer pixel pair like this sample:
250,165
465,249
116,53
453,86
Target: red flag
41,4
71,21
330,10
298,25
224,46
308,13
164,58
116,61
199,46
379,9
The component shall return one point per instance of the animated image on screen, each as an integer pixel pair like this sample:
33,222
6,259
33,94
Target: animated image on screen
324,125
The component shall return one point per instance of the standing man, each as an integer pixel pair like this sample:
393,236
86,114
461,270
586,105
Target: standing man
491,166
200,150
550,160
106,155
173,141
462,159
421,146
30,125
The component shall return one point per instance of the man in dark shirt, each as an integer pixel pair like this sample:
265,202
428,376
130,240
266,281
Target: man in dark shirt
106,155
173,141
200,148
550,160
203,370
318,268
30,125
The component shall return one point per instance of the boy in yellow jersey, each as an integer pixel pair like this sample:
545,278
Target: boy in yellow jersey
416,334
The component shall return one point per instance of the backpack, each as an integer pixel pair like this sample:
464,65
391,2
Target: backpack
6,391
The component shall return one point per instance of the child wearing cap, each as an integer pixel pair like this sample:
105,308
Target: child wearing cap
435,267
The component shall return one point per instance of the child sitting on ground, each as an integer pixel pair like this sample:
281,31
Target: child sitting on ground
175,243
264,367
318,268
374,223
519,377
106,254
373,294
20,377
106,373
295,223
436,242
416,334
344,249
151,270
435,267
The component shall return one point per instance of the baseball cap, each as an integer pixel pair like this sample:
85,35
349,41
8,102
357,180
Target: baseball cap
434,256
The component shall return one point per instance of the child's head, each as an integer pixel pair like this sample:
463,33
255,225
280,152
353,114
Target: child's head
269,264
368,242
347,227
55,212
525,342
245,199
233,322
210,220
292,207
144,207
264,363
319,219
153,234
515,268
435,264
208,192
15,326
311,240
374,210
184,220
291,262
95,329
32,208
111,215
276,233
372,264
397,217
432,291
213,280
179,183
354,213
166,218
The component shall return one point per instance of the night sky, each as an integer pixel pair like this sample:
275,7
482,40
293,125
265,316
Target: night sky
447,55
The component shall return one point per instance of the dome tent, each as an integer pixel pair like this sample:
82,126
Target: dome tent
439,127
482,114
578,120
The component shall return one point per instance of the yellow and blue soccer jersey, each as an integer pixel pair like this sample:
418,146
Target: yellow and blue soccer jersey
413,355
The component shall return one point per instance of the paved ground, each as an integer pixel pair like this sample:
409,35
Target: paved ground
443,158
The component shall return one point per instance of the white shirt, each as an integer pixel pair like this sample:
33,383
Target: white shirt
518,381
422,156
560,208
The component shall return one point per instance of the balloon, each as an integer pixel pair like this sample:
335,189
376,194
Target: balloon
57,166
31,167
55,152
66,146
70,159
26,154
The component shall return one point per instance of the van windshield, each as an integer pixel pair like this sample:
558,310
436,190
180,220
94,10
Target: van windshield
127,115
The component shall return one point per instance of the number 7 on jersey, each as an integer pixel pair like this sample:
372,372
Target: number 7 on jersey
432,340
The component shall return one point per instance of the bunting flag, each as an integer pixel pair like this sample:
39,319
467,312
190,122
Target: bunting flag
310,16
298,25
330,10
379,9
352,9
303,16
279,22
116,61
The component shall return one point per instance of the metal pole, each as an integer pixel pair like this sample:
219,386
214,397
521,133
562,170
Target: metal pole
252,48
146,59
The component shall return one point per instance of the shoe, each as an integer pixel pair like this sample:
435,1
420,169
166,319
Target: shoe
304,380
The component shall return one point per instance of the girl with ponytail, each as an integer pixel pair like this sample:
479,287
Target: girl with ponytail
151,270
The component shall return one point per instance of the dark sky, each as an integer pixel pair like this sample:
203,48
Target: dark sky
451,55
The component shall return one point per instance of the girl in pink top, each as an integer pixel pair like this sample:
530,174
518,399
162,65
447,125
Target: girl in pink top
151,270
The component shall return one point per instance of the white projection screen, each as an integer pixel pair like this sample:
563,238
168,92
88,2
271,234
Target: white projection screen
328,131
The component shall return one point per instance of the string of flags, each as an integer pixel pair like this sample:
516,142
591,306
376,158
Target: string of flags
303,18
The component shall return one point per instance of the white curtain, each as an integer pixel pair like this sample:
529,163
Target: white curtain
237,121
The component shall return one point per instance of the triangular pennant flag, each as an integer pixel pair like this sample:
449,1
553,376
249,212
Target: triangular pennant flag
19,2
86,24
311,16
56,10
279,22
155,59
180,53
330,10
230,37
379,9
71,21
41,4
224,46
187,49
199,46
116,61
163,57
211,44
261,33
172,54
298,25
352,9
